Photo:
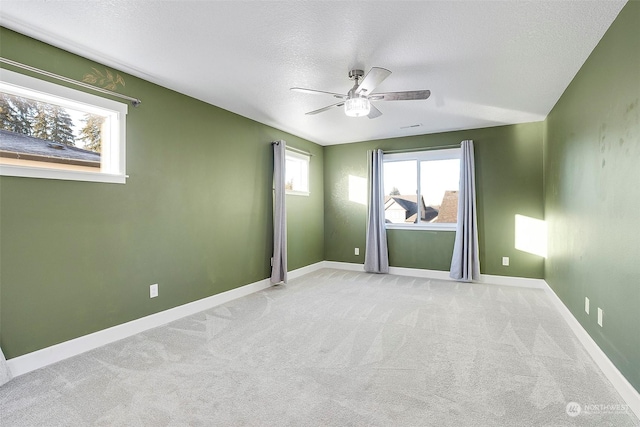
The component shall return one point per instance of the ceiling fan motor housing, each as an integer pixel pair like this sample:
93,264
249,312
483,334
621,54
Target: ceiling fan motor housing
356,74
356,105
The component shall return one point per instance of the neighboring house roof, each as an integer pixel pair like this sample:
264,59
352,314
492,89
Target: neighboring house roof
429,214
410,206
409,203
448,208
31,148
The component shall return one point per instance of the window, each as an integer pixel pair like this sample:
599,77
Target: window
421,189
51,131
296,173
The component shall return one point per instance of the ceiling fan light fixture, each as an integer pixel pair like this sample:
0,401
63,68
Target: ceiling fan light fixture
357,107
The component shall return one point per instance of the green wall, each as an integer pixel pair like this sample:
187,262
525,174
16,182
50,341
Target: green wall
508,182
592,193
195,216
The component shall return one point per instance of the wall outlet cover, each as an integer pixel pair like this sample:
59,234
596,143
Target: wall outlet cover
153,290
586,305
357,251
505,261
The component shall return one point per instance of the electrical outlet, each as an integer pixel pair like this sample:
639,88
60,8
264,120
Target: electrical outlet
357,251
505,261
600,314
271,261
586,305
153,291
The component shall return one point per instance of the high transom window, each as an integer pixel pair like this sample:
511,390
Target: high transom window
52,131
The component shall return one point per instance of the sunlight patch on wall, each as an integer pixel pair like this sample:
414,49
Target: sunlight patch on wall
358,190
531,235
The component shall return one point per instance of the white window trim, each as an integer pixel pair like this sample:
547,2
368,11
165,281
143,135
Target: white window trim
432,227
306,158
22,85
439,154
434,154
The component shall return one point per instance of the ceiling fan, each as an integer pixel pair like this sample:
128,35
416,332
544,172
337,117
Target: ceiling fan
357,102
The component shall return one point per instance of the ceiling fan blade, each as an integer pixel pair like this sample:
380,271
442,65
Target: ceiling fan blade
374,77
401,96
315,92
339,104
374,112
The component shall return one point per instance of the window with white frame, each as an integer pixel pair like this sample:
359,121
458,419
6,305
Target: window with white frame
421,189
296,173
51,131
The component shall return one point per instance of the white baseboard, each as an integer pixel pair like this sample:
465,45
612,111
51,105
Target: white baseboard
400,271
305,270
444,275
38,359
349,266
619,382
523,282
417,272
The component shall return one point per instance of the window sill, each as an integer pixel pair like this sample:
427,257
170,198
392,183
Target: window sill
297,193
423,227
68,175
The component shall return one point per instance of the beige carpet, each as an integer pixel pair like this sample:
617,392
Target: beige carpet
335,348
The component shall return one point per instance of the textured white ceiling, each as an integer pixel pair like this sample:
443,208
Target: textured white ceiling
486,63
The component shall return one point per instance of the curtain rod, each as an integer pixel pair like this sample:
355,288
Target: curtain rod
297,150
134,101
409,150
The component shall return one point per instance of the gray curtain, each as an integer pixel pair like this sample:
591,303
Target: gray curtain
5,374
465,264
376,256
279,267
